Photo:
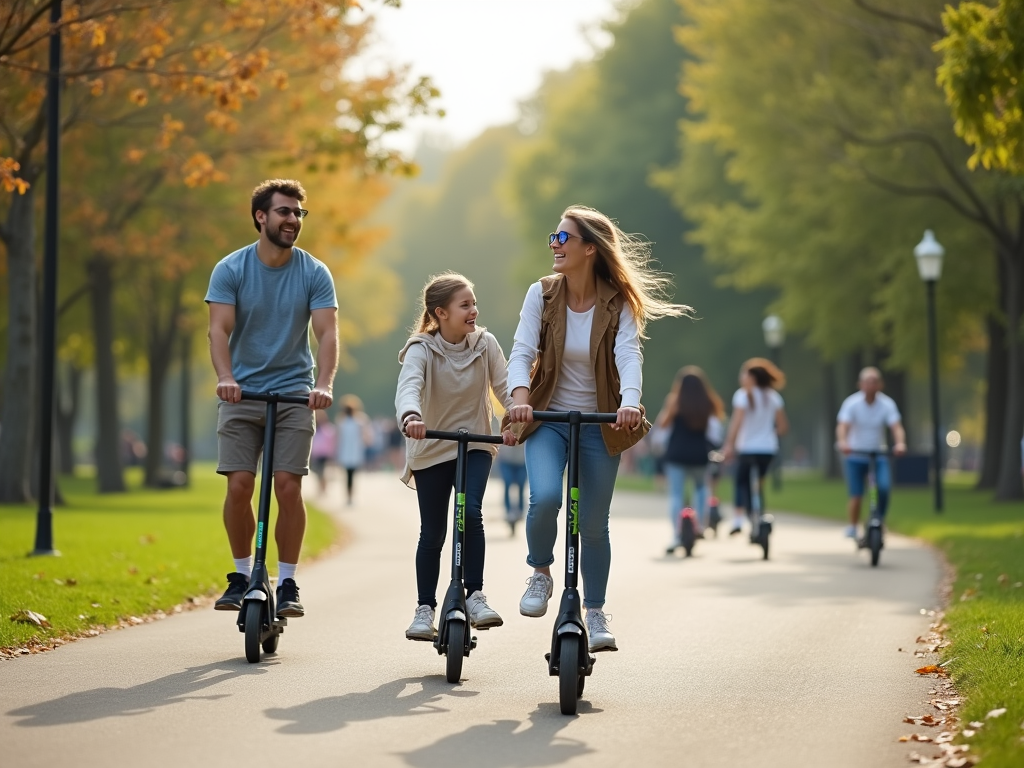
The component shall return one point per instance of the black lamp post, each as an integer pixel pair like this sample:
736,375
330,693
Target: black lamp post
48,326
774,337
929,255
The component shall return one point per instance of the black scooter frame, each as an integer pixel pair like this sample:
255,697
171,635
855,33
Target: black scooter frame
259,583
570,610
454,604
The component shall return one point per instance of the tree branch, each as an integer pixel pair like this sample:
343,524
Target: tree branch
982,213
927,26
71,299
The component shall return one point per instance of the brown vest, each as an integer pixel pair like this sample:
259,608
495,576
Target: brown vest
602,356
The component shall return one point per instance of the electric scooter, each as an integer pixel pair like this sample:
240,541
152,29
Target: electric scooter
258,619
760,523
570,660
715,460
688,530
872,539
453,639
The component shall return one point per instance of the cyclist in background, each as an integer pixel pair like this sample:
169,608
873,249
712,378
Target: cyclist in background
860,429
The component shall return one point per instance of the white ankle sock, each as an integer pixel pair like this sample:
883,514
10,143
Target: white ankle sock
243,565
285,571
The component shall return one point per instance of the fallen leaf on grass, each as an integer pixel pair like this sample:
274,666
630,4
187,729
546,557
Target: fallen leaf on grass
922,737
95,605
132,571
932,669
149,538
996,713
30,617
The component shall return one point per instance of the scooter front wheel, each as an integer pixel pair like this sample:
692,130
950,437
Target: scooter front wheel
570,687
765,537
253,630
688,534
875,543
456,650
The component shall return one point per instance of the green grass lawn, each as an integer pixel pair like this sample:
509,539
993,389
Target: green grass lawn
122,555
984,542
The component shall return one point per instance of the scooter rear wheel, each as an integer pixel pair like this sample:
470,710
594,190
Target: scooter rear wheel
456,650
875,543
570,687
688,534
253,630
765,536
270,644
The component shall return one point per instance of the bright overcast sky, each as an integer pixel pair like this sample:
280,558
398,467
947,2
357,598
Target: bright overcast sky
485,55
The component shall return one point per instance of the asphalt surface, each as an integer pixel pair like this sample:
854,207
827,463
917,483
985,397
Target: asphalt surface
724,660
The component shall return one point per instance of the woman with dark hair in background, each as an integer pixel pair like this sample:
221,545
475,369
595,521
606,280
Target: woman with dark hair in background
758,419
692,412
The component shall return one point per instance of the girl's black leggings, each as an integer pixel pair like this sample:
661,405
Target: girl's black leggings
434,490
747,462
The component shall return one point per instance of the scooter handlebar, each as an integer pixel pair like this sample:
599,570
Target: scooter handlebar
466,437
585,418
275,397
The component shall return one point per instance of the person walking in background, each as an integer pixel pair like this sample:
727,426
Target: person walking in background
324,446
860,429
263,299
693,414
577,348
353,437
450,369
758,419
512,463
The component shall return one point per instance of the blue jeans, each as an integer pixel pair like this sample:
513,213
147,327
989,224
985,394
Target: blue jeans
676,475
857,474
547,452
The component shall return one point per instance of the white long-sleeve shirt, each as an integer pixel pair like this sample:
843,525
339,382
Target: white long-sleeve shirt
576,388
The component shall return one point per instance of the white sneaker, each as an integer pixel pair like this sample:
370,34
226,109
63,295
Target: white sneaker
422,627
481,615
601,638
535,600
850,532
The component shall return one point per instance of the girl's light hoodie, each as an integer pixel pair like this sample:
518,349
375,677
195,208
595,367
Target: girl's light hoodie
450,386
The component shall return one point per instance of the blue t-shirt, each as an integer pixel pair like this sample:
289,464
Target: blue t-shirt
270,343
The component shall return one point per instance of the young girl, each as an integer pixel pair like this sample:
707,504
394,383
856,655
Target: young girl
577,348
758,418
692,413
449,368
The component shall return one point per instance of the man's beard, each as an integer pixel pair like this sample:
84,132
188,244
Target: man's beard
274,236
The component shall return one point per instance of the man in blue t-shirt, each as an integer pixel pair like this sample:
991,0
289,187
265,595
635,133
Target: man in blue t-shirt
262,300
860,431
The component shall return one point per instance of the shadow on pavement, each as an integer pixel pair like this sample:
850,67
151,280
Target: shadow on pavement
335,712
100,703
500,745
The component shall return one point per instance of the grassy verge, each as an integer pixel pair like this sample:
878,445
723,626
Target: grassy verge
984,542
122,555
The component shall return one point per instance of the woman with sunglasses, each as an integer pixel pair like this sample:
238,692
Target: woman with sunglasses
577,348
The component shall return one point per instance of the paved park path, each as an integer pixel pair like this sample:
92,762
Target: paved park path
725,660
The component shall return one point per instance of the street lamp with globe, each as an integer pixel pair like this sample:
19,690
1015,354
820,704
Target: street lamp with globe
929,255
774,337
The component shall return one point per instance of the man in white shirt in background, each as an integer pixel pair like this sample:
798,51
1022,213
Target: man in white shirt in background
860,429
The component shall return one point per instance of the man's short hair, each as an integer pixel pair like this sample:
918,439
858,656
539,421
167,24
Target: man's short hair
870,371
264,193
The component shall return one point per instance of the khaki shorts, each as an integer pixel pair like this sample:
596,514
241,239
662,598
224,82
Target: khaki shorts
240,437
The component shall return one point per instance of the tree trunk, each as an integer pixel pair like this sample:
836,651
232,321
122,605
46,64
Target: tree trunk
1008,484
831,403
67,414
17,419
160,351
186,402
996,378
109,473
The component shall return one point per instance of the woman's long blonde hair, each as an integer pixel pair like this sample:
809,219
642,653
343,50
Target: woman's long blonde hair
437,293
624,261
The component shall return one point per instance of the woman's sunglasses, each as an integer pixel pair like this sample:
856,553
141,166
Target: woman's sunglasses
561,237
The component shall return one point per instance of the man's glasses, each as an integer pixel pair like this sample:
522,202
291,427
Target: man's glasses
561,237
299,213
